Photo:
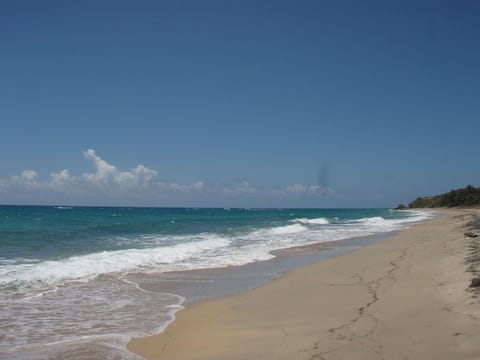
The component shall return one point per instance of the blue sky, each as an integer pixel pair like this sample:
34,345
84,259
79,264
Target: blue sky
238,103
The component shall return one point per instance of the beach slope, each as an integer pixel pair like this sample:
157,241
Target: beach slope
407,297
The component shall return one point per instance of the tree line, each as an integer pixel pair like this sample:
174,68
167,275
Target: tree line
468,196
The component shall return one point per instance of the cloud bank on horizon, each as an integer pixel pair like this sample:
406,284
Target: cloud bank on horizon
108,182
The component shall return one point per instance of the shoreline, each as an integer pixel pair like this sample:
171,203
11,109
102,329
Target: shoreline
338,307
247,277
257,273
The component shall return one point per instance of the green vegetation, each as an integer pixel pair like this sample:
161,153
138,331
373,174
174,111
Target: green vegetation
468,196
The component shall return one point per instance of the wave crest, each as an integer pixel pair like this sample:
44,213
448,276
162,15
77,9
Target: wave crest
305,221
105,262
283,230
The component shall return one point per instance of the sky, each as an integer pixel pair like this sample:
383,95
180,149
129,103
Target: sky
237,103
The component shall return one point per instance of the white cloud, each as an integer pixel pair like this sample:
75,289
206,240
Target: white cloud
172,186
143,174
242,187
175,187
60,178
108,174
141,183
296,189
300,189
198,185
105,171
107,179
26,177
322,190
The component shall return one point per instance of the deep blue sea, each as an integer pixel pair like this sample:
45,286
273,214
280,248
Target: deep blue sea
70,276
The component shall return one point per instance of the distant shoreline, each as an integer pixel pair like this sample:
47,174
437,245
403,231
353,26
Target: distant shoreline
458,198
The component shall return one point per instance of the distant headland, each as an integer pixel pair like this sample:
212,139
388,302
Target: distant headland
468,196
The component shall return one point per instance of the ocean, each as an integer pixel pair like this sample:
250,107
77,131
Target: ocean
79,282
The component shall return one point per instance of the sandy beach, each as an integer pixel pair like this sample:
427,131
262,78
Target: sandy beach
407,297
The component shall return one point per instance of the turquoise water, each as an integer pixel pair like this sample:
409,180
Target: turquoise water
53,233
80,265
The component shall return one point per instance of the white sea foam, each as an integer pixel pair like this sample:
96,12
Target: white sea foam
91,265
376,220
416,215
75,315
305,221
174,253
282,230
77,311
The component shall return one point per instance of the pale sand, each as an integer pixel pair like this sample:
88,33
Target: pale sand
404,298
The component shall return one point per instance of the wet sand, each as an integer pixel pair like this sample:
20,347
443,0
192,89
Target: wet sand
404,298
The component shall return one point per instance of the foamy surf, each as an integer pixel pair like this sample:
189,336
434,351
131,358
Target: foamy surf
74,316
72,272
305,221
201,251
283,230
106,262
